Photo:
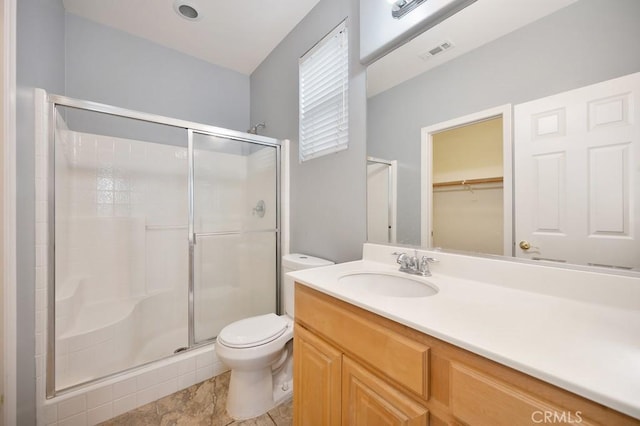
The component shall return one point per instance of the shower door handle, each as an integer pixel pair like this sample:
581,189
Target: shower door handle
223,233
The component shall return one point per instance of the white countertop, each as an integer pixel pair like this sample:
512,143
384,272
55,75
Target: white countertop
590,349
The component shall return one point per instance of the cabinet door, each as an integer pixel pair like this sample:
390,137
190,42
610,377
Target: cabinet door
369,401
481,400
316,380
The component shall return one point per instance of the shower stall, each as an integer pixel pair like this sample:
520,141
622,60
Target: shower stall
160,233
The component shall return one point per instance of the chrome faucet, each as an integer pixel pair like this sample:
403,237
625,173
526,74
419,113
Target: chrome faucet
414,265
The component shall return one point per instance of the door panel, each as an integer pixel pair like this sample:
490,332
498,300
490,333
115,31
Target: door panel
234,232
578,182
378,203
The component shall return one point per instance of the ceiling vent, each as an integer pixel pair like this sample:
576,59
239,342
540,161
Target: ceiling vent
442,47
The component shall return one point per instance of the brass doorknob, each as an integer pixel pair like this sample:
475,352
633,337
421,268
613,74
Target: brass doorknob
525,245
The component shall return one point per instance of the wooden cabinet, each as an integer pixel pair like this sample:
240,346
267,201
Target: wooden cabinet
317,380
353,367
479,399
368,400
401,359
333,386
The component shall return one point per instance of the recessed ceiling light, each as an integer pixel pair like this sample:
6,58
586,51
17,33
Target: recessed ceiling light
186,10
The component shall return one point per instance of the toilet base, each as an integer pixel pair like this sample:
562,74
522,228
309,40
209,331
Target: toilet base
250,393
253,393
283,378
283,394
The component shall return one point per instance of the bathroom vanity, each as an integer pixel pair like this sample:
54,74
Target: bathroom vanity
474,353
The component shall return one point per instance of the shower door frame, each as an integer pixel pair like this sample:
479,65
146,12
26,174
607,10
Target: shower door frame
54,101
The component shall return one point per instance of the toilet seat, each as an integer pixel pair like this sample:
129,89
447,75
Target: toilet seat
254,331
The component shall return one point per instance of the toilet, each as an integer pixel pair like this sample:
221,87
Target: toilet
259,351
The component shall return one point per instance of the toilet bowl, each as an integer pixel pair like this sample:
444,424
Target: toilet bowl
253,348
259,351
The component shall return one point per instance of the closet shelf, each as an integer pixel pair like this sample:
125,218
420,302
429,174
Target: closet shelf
499,179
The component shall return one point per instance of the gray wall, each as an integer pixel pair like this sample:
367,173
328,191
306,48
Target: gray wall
40,63
328,194
110,66
587,42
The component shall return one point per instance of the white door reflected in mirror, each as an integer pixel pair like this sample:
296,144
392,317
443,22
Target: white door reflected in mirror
578,183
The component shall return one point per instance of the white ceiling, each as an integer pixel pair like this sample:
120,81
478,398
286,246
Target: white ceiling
232,34
478,24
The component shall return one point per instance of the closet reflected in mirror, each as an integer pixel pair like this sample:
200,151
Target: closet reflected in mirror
467,190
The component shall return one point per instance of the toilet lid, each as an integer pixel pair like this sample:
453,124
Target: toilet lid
254,331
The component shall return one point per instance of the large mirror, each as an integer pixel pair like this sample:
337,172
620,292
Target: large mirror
512,133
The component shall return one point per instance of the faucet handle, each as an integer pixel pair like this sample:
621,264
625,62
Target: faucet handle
424,263
403,260
423,268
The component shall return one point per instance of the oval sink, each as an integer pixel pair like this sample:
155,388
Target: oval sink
388,285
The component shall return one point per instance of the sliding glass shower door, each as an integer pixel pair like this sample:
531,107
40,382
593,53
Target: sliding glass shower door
233,243
158,233
120,213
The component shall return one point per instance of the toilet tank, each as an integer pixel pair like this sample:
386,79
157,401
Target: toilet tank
296,262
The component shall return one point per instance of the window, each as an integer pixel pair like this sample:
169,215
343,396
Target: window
324,92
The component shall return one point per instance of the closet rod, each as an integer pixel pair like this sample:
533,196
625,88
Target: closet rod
469,182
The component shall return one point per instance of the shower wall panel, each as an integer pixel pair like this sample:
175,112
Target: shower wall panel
123,193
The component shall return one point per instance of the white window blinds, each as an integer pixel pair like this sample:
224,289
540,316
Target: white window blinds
324,93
